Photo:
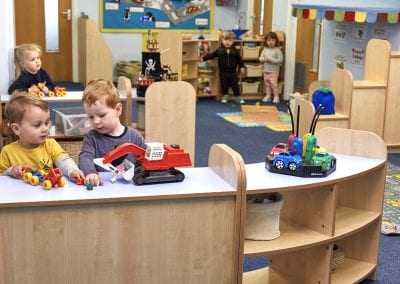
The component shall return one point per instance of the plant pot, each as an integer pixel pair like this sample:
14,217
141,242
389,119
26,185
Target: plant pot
262,217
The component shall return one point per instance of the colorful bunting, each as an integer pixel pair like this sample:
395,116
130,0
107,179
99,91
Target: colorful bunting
347,16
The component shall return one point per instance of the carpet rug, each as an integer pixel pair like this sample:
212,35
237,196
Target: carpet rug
391,203
283,124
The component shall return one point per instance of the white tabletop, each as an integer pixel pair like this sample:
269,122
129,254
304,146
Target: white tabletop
258,177
72,96
200,181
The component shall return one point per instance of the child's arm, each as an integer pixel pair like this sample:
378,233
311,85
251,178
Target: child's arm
21,83
262,56
86,157
16,171
69,168
210,55
46,78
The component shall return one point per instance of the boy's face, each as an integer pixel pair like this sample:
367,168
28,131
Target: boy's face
103,118
34,127
227,42
32,62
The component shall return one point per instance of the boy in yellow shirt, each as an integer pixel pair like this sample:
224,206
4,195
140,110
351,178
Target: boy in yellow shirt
29,119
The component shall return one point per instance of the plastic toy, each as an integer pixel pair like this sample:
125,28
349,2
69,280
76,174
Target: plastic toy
324,96
52,178
303,157
154,164
278,148
44,91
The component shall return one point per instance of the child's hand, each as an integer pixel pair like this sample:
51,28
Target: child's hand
93,179
242,71
18,171
267,59
76,175
33,89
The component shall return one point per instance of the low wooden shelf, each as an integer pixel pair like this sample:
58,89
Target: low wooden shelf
344,208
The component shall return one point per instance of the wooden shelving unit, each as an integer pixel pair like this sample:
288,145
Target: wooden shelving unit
344,208
184,58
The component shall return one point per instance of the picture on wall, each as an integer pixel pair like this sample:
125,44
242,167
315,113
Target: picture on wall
140,15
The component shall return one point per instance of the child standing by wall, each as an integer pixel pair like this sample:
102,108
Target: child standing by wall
228,62
103,106
29,65
29,119
272,58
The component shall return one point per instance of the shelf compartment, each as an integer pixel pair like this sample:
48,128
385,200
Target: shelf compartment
363,192
352,271
293,237
349,220
266,276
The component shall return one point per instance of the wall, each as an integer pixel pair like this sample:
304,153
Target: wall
128,46
7,44
346,42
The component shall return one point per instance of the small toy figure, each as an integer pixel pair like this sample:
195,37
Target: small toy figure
127,15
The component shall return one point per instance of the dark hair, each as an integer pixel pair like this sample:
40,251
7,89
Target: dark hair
271,35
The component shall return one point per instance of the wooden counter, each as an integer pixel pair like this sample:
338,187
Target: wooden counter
121,233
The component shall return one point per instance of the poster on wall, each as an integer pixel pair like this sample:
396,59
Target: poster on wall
357,55
359,31
140,15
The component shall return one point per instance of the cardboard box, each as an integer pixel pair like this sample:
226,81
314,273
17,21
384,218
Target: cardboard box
248,87
254,70
72,121
250,52
260,113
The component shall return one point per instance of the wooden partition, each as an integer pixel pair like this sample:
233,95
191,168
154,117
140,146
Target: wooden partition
95,58
170,114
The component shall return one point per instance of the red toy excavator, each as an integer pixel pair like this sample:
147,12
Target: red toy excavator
154,164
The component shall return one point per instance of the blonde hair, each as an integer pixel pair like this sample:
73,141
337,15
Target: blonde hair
21,52
226,35
19,103
101,89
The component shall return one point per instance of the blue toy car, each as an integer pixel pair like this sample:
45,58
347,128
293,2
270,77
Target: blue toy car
287,159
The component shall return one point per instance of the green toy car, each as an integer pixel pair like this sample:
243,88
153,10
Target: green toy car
324,159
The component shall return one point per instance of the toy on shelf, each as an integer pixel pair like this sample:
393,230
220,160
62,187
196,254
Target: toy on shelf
41,90
48,179
154,164
303,157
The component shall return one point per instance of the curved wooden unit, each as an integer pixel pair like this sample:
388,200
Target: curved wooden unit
344,208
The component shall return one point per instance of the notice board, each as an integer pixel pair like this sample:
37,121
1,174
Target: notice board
140,15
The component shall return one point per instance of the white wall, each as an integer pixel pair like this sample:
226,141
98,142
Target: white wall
334,47
7,44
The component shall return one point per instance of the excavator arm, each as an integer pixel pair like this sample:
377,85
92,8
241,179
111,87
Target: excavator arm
124,149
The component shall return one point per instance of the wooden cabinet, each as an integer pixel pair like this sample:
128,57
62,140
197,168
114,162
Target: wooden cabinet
344,209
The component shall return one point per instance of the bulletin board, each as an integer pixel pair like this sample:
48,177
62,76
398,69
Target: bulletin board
140,15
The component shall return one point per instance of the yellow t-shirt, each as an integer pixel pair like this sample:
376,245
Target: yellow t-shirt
45,155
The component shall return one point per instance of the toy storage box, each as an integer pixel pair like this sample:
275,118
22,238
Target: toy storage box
250,52
250,87
71,121
254,70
